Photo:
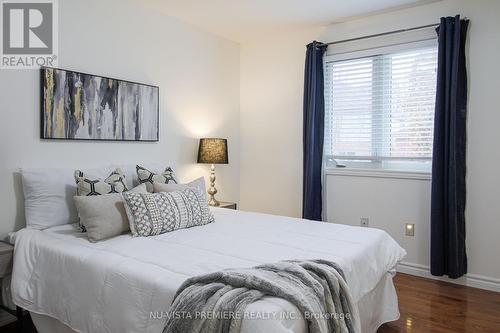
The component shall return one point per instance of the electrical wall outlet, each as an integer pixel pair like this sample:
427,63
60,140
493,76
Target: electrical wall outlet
364,221
410,229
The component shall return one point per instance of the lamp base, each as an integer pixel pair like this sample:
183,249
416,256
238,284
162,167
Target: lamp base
213,202
212,190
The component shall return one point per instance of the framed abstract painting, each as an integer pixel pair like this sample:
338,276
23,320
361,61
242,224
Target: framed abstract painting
80,106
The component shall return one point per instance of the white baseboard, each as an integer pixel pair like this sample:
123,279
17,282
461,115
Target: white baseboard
471,280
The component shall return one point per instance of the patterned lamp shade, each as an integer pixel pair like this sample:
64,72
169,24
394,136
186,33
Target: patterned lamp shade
213,151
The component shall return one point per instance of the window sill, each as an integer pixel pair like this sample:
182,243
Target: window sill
380,173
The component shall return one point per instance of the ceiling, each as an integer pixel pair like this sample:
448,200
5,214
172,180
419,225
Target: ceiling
240,20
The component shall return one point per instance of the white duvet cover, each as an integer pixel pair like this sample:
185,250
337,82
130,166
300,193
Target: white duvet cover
122,284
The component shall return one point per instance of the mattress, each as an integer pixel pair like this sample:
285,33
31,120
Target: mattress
125,284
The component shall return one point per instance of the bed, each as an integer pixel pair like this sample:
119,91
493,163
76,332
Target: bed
126,284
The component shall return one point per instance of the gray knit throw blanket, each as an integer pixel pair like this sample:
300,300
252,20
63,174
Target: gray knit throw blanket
216,302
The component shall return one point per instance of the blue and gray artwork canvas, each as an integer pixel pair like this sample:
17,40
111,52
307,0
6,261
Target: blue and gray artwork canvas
88,107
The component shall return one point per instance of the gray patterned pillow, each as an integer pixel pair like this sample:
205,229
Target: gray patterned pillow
88,185
147,177
152,214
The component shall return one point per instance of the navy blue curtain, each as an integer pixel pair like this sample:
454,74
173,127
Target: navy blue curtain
448,254
313,131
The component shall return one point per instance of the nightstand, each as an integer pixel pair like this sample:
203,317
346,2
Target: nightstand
228,205
6,255
6,260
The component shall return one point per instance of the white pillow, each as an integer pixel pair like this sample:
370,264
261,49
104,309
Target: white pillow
48,195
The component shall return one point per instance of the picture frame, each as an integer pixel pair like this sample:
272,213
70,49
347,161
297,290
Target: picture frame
82,106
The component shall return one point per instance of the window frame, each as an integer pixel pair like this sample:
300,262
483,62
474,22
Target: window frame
368,163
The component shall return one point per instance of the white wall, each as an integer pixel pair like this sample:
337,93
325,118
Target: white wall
272,70
198,75
271,120
389,203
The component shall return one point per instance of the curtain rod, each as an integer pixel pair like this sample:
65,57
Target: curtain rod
382,34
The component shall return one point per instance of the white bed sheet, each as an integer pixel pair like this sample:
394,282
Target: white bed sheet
115,285
377,307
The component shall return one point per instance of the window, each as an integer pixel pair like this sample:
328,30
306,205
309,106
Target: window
380,107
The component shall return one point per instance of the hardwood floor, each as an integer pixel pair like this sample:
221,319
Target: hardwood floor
426,306
433,306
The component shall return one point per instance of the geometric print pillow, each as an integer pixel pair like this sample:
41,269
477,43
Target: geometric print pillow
88,185
152,214
147,177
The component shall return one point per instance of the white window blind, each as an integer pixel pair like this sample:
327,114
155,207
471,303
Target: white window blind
380,107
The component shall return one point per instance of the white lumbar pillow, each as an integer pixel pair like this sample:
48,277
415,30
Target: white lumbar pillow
48,195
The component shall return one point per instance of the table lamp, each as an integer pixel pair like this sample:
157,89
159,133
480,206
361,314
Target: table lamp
212,151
